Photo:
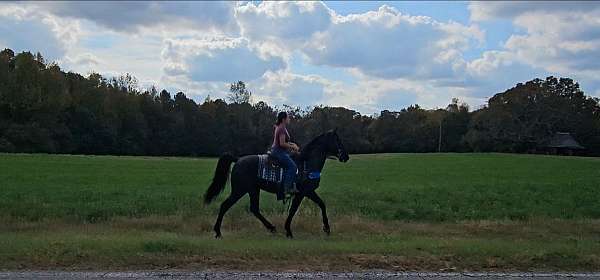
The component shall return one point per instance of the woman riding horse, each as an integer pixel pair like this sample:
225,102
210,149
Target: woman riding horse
281,149
245,180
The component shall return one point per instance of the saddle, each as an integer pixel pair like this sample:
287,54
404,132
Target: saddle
269,168
272,160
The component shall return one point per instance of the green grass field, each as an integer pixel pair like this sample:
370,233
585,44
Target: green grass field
391,211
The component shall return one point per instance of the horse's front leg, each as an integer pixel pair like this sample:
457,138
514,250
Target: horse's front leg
293,208
315,197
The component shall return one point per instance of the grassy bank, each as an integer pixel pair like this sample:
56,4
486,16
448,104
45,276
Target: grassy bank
356,244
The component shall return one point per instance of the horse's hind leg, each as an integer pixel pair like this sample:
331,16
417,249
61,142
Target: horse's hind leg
315,197
254,208
230,201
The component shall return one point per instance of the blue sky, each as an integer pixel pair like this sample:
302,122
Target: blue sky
367,56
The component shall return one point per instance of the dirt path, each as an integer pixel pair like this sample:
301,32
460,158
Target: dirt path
151,275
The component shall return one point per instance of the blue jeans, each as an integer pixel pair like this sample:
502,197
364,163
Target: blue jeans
288,164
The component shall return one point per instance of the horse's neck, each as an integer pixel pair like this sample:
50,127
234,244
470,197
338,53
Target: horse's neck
315,160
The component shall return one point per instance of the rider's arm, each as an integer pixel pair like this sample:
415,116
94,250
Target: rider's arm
286,145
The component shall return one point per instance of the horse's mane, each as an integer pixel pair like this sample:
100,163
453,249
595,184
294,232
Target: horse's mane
311,145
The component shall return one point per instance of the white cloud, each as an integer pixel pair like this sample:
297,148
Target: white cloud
382,43
216,59
489,10
83,59
25,28
368,95
388,44
283,87
139,57
132,16
558,38
373,95
282,23
560,42
279,28
489,62
194,89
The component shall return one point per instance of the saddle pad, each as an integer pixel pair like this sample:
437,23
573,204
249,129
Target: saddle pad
268,172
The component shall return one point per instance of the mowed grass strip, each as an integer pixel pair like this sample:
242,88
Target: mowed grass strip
406,187
356,244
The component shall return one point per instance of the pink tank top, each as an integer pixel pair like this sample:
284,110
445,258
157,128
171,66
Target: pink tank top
279,130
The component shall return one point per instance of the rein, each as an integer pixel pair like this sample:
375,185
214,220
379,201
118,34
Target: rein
307,155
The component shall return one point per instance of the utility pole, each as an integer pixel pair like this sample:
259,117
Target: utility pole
440,137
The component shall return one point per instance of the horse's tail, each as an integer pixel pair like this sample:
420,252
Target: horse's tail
220,178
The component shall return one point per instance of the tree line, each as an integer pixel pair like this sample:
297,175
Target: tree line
43,109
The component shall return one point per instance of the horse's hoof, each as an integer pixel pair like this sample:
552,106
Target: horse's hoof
273,230
218,236
289,235
327,230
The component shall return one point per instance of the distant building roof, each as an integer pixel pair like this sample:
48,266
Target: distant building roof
563,140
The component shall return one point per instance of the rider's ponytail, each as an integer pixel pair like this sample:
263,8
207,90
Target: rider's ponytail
280,117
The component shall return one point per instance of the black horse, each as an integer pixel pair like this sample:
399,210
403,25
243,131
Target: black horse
244,180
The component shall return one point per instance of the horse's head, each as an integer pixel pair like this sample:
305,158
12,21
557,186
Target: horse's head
335,146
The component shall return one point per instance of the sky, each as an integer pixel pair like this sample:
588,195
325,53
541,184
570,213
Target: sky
366,56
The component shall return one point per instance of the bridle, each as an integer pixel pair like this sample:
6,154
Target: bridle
339,147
